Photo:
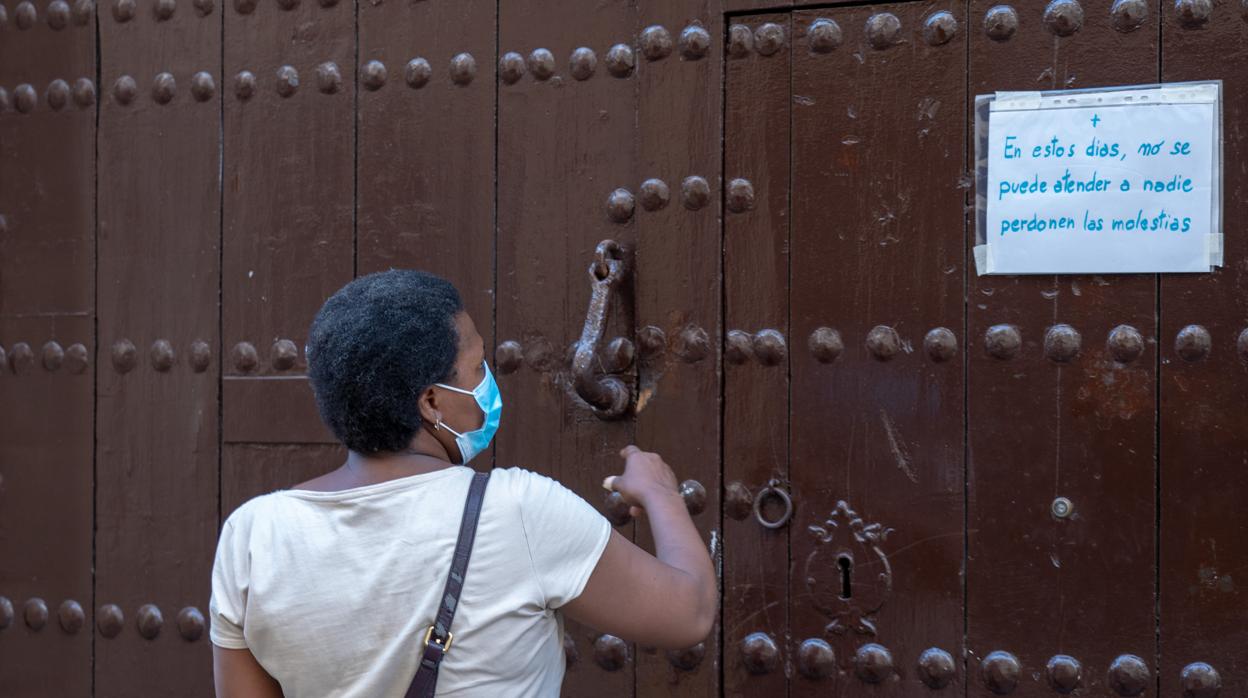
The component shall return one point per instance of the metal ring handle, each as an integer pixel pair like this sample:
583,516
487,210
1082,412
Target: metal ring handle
773,488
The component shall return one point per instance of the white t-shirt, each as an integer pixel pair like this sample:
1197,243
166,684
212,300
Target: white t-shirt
333,591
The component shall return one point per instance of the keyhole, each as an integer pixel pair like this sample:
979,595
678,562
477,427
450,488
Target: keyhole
847,569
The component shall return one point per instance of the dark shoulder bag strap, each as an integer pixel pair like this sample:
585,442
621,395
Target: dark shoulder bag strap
438,637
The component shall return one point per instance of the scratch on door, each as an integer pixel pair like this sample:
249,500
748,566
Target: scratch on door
898,449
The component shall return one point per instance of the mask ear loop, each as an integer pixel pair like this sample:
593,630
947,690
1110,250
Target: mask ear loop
453,389
439,425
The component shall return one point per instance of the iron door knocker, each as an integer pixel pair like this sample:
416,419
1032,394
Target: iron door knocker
608,395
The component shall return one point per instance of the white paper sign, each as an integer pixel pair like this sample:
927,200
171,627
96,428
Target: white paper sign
1103,182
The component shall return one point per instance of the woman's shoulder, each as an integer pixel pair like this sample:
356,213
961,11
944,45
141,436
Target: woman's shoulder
247,514
522,482
513,476
534,492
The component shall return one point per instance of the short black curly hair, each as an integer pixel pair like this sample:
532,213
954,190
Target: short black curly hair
374,347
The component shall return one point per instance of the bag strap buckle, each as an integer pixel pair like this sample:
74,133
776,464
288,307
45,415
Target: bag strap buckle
444,645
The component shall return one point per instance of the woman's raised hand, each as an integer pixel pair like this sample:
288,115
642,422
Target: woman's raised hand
646,476
667,600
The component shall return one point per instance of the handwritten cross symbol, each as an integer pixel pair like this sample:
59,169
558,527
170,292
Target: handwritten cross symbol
1095,119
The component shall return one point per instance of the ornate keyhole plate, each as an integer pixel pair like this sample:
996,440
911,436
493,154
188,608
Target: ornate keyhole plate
848,576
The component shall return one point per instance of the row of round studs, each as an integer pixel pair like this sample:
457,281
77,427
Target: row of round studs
1062,344
374,75
1000,671
20,357
882,31
1063,18
1127,675
109,619
59,14
611,653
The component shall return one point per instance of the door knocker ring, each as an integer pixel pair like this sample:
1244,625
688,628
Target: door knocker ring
774,489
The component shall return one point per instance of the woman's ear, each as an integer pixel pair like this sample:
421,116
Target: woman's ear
429,410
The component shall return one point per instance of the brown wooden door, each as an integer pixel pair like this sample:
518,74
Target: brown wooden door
157,388
998,485
994,492
607,130
1058,416
47,334
845,139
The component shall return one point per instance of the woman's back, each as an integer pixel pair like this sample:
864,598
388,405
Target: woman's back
333,591
328,590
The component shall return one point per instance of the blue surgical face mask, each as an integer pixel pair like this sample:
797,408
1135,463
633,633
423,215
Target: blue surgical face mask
491,403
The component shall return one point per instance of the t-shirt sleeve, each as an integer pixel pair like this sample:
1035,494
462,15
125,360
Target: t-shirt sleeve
565,536
228,606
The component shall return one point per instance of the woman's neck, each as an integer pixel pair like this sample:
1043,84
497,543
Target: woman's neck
361,469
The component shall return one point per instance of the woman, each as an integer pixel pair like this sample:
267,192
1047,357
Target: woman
331,588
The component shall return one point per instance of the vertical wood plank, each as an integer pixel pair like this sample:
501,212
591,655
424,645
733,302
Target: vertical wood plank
566,140
1204,426
1040,428
289,203
426,144
757,116
47,310
877,429
156,426
677,287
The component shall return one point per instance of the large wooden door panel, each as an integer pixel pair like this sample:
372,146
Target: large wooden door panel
756,396
1054,414
47,362
1203,435
877,429
677,287
157,391
1001,485
868,273
566,139
426,156
288,232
